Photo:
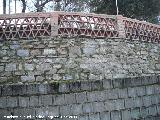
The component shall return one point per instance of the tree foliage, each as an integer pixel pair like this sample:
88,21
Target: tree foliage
147,10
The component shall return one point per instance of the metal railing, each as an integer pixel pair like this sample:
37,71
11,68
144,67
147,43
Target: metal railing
33,25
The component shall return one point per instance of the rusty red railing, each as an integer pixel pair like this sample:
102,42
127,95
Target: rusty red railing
141,30
33,25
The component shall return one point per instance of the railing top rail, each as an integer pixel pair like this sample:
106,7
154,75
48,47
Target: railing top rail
52,13
21,15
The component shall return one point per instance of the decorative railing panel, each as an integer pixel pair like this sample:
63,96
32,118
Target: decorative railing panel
89,25
28,25
141,30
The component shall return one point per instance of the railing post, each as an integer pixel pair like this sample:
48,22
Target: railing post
121,26
54,24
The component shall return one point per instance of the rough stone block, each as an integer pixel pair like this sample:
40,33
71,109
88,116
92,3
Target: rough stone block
49,51
157,89
64,87
158,109
67,77
118,83
23,101
126,115
129,103
53,111
3,103
143,112
3,53
65,110
45,100
136,81
29,78
81,97
44,67
85,85
92,96
132,92
110,105
135,114
4,113
89,51
107,84
14,46
122,93
1,68
53,88
51,72
112,94
101,95
98,107
76,109
23,53
146,101
59,100
87,108
70,98
94,116
11,53
31,89
12,102
75,86
83,117
10,67
74,51
152,110
97,85
39,78
25,113
119,104
42,88
138,102
145,80
35,52
152,79
6,90
19,89
115,115
126,82
33,101
43,111
155,99
140,91
29,66
150,90
105,116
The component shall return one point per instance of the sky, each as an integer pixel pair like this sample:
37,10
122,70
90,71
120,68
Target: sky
30,6
18,8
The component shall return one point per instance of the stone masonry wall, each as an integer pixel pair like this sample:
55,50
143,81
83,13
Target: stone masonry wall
136,98
90,79
47,60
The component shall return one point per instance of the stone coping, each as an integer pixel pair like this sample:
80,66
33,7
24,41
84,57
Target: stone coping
60,87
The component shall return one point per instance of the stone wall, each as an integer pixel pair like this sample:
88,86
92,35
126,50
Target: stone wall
135,98
47,60
89,79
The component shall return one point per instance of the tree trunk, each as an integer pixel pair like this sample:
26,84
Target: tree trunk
4,6
24,6
15,6
9,6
